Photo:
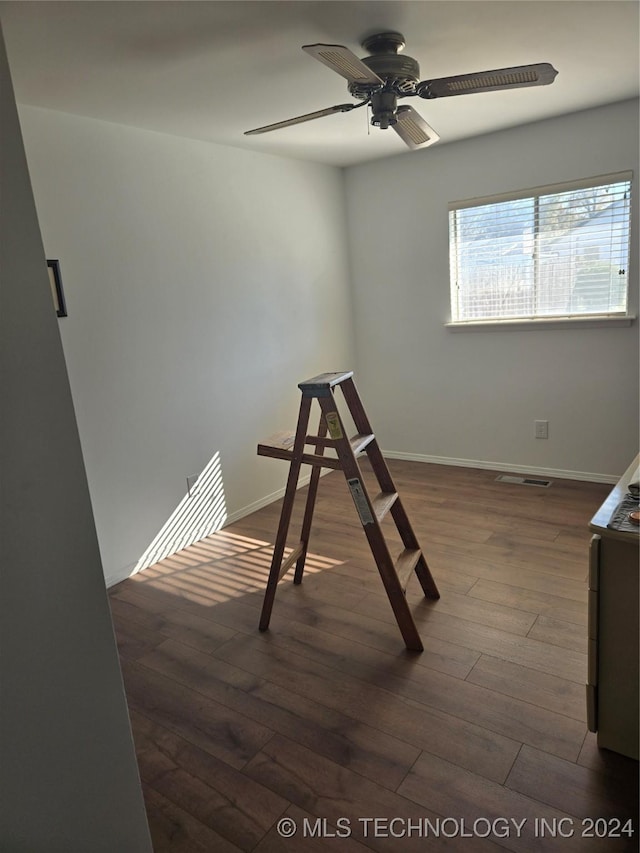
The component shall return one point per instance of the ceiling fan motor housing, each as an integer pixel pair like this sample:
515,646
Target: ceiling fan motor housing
400,73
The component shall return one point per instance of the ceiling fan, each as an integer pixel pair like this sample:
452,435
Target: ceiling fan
384,76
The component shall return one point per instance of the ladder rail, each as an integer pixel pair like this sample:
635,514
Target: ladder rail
285,515
372,529
381,470
311,501
410,542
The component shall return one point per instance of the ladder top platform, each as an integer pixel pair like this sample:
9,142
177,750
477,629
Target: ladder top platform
320,386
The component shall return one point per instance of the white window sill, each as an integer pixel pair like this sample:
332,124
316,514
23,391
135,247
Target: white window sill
596,321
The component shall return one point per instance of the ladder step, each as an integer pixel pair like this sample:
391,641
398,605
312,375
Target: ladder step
382,503
359,442
280,446
405,564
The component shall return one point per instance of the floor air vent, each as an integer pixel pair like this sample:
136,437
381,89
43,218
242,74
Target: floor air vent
524,481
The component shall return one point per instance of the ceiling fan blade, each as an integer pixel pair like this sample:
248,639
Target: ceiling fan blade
413,129
540,74
339,108
341,60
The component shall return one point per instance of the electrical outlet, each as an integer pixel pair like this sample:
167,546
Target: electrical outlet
541,429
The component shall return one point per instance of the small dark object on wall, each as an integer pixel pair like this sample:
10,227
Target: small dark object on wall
55,280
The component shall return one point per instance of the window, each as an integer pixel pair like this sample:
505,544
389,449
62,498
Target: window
556,252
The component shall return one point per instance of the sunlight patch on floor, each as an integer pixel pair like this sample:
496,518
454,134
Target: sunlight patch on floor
222,567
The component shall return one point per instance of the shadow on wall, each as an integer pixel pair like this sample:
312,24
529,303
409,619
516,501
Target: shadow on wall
201,512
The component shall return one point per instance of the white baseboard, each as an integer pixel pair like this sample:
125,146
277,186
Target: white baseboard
269,499
119,576
531,470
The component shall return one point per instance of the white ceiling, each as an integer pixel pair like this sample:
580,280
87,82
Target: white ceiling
211,70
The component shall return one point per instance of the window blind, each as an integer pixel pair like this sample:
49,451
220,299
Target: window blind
554,252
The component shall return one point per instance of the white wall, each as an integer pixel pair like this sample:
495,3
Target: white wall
69,781
202,284
434,393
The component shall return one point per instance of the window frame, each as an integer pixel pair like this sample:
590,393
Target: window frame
619,318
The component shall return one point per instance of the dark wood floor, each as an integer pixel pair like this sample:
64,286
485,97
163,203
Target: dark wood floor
326,716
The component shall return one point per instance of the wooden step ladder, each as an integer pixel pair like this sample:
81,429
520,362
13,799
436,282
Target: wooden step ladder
371,510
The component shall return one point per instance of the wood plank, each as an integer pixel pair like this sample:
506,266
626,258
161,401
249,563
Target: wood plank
559,632
231,737
237,614
543,603
462,606
230,803
323,788
190,629
224,543
606,762
133,642
474,547
538,688
410,721
377,632
323,588
513,718
363,571
575,790
308,636
382,503
450,790
328,731
475,514
151,600
405,564
351,625
502,570
360,441
528,652
174,830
